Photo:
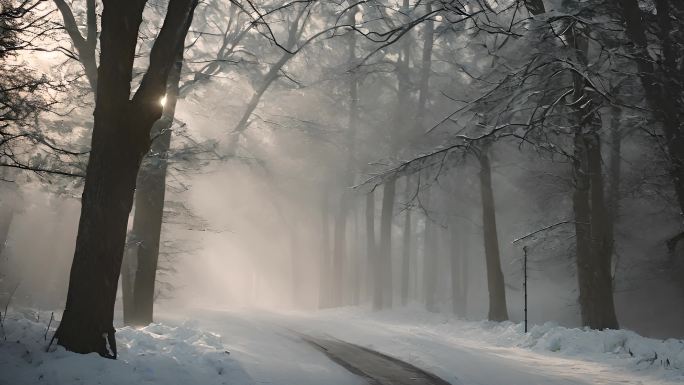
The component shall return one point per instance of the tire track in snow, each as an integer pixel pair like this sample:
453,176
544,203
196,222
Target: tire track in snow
378,368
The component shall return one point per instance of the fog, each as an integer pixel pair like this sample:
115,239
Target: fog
254,218
250,239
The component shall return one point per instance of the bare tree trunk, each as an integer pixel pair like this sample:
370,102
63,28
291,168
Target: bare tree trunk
340,234
601,314
384,275
429,260
594,244
121,137
295,266
464,278
6,217
593,252
415,262
355,261
426,69
495,279
406,247
151,179
7,207
128,268
325,265
149,205
458,271
613,201
339,252
593,221
374,283
385,272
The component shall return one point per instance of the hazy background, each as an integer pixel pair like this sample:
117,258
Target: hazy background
246,231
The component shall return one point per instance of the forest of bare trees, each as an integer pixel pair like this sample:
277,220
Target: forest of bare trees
370,153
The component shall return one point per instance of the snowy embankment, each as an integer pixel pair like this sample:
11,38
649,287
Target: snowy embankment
466,352
154,354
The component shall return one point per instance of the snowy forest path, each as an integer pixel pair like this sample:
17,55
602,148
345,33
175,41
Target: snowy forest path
276,348
272,350
267,351
458,355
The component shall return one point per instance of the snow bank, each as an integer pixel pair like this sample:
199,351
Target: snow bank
616,344
154,354
434,340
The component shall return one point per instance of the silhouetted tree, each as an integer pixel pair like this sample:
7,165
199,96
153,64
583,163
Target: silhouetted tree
121,137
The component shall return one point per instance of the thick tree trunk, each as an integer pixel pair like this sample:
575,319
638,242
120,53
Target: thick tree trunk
121,137
603,314
149,207
593,221
106,203
594,243
495,279
406,247
385,272
593,250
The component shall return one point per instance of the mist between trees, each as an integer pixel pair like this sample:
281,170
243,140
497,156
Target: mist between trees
316,154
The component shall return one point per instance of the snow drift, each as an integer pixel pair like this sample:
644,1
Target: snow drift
154,354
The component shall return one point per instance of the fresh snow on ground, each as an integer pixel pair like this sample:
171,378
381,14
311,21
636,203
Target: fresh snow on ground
158,353
179,351
466,352
257,347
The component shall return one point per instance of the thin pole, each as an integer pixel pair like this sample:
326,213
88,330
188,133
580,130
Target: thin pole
525,282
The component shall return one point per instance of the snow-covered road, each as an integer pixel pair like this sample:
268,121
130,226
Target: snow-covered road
268,347
248,347
267,352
